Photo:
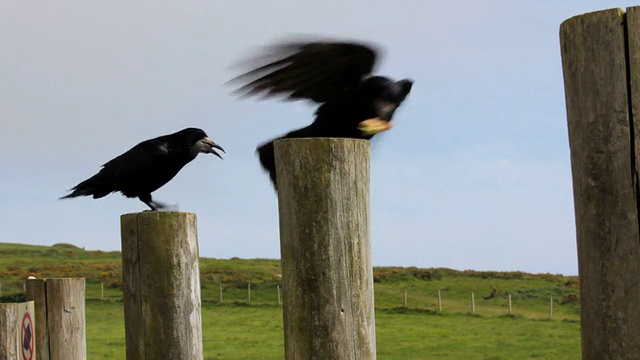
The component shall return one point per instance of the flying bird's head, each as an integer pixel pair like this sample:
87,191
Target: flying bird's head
199,142
385,96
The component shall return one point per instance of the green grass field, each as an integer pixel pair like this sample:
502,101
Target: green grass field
234,329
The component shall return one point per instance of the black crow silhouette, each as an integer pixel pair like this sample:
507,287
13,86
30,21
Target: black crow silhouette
337,76
147,166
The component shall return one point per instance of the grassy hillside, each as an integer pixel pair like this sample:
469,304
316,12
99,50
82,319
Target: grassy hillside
234,330
530,293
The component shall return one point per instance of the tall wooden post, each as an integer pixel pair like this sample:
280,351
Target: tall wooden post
327,276
601,63
161,283
60,329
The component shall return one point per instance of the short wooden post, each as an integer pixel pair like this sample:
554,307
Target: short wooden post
102,290
60,317
473,303
37,293
439,301
161,283
66,318
510,309
9,327
323,197
550,307
220,292
601,65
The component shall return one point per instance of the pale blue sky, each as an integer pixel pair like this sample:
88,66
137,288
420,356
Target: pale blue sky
474,175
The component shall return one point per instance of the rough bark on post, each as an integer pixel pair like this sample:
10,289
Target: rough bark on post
8,328
601,71
161,283
36,292
327,276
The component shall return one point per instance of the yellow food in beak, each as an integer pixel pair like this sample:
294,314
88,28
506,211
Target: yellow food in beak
374,126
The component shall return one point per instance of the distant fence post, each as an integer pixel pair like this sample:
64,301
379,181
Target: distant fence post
60,330
327,275
473,303
601,65
161,283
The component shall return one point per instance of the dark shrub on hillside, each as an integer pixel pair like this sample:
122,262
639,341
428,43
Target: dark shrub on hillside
65,245
570,298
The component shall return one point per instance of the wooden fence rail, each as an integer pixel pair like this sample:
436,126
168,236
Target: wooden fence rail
601,65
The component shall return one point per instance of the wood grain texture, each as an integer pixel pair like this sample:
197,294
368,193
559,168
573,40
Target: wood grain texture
323,196
603,151
66,318
36,292
9,326
161,282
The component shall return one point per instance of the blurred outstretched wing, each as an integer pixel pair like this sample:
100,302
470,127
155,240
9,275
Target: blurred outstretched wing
315,70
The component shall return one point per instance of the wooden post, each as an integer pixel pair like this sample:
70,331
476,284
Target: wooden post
37,293
60,317
102,290
601,65
510,309
9,326
439,302
473,303
249,294
323,197
221,293
161,283
550,307
66,318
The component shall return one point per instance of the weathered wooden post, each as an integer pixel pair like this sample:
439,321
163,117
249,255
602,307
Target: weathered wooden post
601,63
8,328
161,283
37,293
60,317
327,275
17,340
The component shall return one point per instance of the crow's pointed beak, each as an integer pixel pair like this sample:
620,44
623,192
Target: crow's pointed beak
207,146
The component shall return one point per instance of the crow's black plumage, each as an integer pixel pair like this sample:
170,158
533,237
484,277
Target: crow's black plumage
147,166
335,75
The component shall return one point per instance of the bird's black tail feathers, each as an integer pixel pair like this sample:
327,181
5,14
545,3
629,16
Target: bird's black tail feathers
267,155
95,186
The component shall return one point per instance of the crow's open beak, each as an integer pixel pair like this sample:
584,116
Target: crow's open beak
374,126
207,146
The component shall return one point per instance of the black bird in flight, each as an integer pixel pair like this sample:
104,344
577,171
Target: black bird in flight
147,166
353,103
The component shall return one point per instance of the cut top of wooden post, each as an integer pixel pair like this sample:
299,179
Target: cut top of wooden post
339,157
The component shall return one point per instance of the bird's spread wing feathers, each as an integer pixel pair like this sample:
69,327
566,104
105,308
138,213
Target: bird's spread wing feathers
315,70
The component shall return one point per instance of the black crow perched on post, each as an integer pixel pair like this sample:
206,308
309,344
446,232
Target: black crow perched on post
338,76
147,166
